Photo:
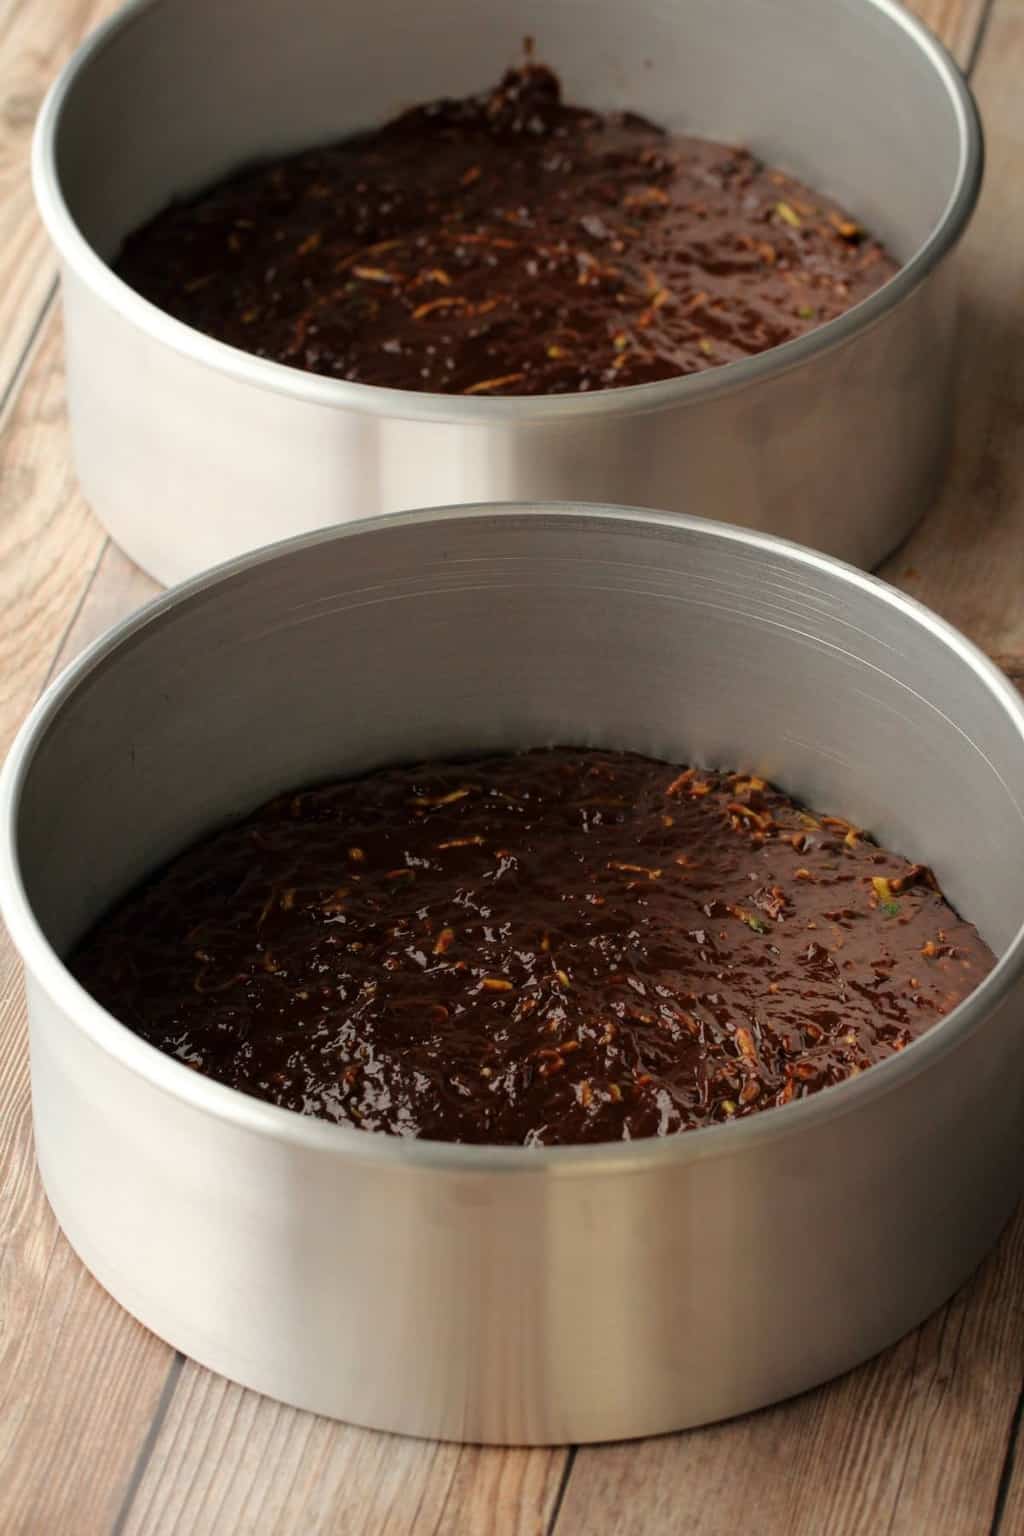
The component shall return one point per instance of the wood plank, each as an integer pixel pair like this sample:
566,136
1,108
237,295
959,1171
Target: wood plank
79,1380
229,1460
49,541
1009,1520
35,40
967,558
956,22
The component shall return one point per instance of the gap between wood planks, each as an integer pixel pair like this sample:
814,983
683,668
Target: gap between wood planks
973,53
11,389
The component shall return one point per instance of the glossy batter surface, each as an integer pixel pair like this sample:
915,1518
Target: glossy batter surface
507,244
553,947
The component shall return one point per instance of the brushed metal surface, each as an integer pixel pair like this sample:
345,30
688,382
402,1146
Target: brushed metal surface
508,1294
191,451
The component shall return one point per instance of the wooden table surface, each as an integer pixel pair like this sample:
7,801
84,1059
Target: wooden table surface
103,1428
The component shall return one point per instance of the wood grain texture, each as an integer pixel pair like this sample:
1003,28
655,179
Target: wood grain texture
956,22
229,1460
967,557
1009,1520
36,38
79,1380
116,589
49,541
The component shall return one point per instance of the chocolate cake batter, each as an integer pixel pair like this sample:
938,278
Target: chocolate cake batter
507,244
553,947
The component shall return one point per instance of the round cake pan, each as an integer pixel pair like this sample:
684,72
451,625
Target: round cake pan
510,1294
192,452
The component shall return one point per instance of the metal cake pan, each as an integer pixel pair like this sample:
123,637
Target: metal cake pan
511,1294
192,451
